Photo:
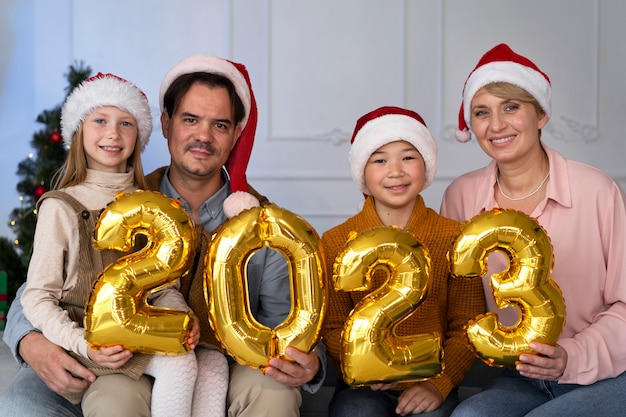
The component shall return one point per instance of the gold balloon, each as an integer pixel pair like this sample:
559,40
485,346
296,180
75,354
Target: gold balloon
117,311
526,284
371,352
226,290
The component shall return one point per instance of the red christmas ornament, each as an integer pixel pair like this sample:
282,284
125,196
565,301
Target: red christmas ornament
55,137
39,190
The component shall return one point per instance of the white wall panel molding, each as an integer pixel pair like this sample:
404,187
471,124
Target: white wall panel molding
330,62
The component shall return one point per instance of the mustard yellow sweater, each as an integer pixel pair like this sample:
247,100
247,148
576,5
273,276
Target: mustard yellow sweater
450,304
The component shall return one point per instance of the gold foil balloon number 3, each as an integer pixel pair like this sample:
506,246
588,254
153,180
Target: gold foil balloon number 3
117,311
526,284
371,352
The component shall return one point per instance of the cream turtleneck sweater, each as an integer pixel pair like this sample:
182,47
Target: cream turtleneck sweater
53,269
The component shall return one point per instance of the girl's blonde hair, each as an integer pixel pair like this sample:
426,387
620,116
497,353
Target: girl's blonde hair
74,169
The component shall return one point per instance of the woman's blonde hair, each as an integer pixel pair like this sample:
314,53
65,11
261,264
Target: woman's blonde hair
74,169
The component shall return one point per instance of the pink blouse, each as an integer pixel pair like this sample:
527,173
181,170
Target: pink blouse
584,214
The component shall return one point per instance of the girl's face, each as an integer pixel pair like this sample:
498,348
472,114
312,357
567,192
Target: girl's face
109,136
395,175
505,129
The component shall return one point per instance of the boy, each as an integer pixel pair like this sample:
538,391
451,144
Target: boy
392,159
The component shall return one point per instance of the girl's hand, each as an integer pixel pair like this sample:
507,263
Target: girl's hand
113,357
420,398
548,363
193,338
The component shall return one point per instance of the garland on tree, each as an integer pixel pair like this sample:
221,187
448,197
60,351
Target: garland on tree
37,171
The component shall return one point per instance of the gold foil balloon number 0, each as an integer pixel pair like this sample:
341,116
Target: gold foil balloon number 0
526,284
371,352
233,243
117,311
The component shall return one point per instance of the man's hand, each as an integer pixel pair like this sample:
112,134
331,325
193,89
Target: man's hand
61,373
297,373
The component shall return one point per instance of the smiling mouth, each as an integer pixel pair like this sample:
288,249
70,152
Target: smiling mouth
110,148
503,140
397,187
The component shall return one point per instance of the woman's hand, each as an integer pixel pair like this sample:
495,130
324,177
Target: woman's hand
548,363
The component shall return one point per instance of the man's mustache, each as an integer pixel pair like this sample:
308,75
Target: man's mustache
201,145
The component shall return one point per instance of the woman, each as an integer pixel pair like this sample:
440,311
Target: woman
506,103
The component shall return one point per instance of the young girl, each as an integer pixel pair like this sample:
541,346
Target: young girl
392,159
107,122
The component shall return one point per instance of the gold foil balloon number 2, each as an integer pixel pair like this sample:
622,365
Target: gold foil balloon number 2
117,311
371,352
526,284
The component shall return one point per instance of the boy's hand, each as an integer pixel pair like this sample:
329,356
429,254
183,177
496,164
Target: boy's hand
420,398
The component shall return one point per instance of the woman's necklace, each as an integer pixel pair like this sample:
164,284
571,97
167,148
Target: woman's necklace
524,197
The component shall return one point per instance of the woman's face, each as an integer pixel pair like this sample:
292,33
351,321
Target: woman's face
505,129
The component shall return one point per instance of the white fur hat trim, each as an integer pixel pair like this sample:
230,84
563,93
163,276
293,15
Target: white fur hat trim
508,72
106,90
386,129
209,64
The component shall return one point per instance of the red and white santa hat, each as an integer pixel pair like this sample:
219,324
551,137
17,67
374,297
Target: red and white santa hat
385,125
106,90
501,64
239,157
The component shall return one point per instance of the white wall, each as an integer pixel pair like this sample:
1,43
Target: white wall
316,67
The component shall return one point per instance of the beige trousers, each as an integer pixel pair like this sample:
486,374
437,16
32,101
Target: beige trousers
253,394
118,395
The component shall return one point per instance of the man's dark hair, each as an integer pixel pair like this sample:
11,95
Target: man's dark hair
181,85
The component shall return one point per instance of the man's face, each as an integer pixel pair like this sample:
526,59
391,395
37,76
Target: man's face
201,133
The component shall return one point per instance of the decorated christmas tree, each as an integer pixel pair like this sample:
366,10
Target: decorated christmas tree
39,168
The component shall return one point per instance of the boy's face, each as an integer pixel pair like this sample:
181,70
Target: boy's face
395,175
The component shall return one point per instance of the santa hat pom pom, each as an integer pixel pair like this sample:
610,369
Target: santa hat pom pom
463,136
238,202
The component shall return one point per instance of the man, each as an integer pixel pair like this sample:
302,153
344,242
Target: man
208,116
209,120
